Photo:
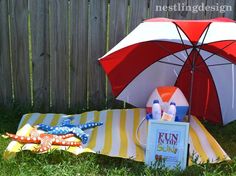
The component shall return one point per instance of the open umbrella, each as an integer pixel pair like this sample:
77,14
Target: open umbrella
198,56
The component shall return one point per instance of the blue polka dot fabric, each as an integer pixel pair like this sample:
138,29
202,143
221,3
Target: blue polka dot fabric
66,128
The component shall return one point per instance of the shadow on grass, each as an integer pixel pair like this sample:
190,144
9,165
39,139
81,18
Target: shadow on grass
11,116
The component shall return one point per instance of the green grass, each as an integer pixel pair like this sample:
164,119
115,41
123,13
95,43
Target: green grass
64,163
225,135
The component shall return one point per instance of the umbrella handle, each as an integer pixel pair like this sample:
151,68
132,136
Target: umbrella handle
137,138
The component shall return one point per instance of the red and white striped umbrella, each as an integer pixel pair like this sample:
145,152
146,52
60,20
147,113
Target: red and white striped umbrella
198,56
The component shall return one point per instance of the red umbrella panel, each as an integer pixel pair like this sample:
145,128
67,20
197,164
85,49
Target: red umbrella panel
198,56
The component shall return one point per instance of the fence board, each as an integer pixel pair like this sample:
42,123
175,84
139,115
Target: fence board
59,54
180,11
20,52
5,65
156,8
139,10
213,14
118,21
117,31
40,53
79,53
97,48
230,14
199,14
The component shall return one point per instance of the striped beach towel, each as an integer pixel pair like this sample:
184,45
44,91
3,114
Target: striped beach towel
117,137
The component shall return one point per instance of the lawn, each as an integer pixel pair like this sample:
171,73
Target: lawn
64,163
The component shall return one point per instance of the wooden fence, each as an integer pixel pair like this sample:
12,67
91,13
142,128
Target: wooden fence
49,48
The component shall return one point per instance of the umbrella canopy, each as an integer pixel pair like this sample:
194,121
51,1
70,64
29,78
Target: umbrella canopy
198,56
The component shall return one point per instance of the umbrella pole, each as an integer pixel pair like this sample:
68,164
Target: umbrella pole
192,75
191,91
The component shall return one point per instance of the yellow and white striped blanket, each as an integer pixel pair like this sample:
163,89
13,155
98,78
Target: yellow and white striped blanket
117,137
